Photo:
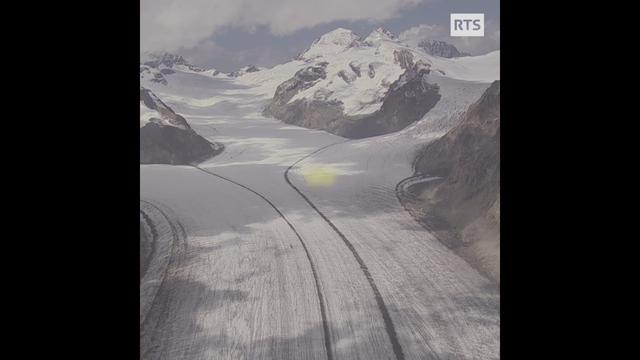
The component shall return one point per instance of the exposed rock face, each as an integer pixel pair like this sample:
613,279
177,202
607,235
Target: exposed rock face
440,48
166,137
347,77
372,71
404,58
157,67
355,68
406,101
331,42
378,35
166,60
146,244
244,70
302,80
166,116
153,75
170,145
463,207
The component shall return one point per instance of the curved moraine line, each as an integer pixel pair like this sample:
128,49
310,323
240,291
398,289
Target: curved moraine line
391,331
323,311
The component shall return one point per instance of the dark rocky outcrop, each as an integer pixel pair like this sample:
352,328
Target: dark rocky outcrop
168,138
150,100
372,71
404,58
152,75
171,145
146,243
355,68
347,77
244,70
440,48
463,207
301,80
166,60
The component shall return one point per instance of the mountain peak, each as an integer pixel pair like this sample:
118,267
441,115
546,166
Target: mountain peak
247,69
380,34
339,36
385,32
167,60
332,42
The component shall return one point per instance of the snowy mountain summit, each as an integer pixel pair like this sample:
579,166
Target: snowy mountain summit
332,42
359,87
340,39
378,35
155,67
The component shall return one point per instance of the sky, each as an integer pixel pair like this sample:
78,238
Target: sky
229,34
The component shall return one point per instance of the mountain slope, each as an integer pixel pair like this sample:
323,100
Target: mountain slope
166,137
360,87
463,203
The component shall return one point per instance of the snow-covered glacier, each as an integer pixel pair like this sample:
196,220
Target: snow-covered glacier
292,243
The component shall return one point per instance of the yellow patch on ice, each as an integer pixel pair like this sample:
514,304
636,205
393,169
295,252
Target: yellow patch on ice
319,176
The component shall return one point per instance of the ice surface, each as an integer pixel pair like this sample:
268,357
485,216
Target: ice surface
244,286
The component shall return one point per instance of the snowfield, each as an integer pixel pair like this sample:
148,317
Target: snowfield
296,246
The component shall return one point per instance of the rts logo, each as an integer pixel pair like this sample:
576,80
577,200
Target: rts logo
467,24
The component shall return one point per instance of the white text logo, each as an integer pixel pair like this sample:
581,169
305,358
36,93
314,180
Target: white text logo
467,24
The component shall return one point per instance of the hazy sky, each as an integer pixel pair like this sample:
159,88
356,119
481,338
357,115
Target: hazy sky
228,34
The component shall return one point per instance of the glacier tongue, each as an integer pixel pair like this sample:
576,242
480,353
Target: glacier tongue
244,259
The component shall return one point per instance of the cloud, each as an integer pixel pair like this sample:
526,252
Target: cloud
472,45
172,24
209,54
414,35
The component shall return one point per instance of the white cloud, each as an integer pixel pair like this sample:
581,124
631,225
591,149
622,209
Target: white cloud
473,45
415,34
209,54
172,24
